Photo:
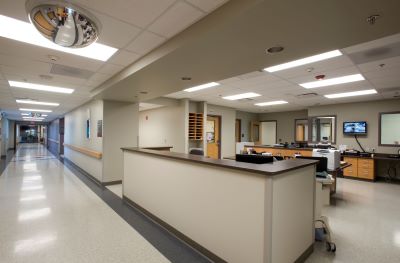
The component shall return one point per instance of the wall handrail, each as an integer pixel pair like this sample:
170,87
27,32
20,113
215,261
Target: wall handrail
88,152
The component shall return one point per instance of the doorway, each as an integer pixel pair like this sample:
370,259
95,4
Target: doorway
255,131
268,132
238,130
61,131
213,136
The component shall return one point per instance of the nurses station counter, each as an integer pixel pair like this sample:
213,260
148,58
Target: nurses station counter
230,211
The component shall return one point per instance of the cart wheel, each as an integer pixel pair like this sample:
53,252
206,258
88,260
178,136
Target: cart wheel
333,247
330,247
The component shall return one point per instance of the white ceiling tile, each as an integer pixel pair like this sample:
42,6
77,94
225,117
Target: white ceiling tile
124,58
145,42
114,32
207,5
137,12
110,69
177,18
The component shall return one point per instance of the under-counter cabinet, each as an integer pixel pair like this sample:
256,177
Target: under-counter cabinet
363,168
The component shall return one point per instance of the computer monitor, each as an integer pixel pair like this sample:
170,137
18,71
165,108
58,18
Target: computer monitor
322,166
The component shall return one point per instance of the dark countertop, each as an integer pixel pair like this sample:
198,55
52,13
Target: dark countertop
281,148
377,156
269,169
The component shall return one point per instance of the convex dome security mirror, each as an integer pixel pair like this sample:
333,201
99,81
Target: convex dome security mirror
63,23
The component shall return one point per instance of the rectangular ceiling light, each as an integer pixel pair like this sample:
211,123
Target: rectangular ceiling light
242,96
203,86
25,114
26,85
270,103
333,81
304,61
34,110
38,102
25,32
351,94
33,118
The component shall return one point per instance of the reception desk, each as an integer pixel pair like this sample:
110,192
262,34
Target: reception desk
228,210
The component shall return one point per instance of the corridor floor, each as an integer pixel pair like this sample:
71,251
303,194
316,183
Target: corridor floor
48,215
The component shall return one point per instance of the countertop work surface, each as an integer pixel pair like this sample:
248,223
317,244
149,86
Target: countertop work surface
268,169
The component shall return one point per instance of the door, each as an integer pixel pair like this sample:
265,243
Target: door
213,136
255,132
61,131
238,130
268,132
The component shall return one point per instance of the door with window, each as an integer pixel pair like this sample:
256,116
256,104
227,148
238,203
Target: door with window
213,136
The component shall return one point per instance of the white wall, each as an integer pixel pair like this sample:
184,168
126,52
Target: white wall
228,118
4,136
120,129
75,134
165,126
11,128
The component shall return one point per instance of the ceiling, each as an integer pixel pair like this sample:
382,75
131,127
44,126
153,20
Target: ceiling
378,61
232,40
135,27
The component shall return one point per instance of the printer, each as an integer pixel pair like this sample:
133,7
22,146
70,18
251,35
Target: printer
333,157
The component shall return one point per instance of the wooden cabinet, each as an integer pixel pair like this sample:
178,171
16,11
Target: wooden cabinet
196,126
363,168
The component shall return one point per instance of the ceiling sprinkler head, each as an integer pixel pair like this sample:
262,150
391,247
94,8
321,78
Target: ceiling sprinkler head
275,49
310,69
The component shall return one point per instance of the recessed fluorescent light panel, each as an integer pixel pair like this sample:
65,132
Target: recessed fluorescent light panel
33,118
34,110
271,103
203,86
304,61
26,85
25,32
37,102
25,114
333,81
351,94
242,96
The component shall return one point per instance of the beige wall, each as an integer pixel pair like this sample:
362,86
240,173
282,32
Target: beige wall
362,111
246,119
120,129
164,127
75,134
228,118
285,123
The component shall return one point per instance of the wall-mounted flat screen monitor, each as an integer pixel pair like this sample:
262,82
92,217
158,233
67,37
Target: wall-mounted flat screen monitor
355,127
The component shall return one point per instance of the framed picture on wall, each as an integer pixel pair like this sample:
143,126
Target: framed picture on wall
100,128
88,129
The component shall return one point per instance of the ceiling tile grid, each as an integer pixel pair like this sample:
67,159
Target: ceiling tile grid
380,74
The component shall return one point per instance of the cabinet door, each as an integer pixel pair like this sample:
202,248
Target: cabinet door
353,169
366,169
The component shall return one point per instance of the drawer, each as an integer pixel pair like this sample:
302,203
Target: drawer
366,173
352,161
365,163
350,171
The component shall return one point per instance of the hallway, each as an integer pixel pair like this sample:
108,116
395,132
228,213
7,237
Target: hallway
49,215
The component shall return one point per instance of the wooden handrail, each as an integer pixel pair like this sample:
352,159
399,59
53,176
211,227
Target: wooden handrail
91,153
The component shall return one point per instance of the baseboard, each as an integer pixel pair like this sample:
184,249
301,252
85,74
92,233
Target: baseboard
303,257
175,232
91,177
112,182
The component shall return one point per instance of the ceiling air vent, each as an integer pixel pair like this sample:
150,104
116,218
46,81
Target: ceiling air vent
71,71
307,95
374,54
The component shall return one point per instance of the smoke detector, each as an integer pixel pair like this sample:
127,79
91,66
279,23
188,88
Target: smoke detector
63,23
